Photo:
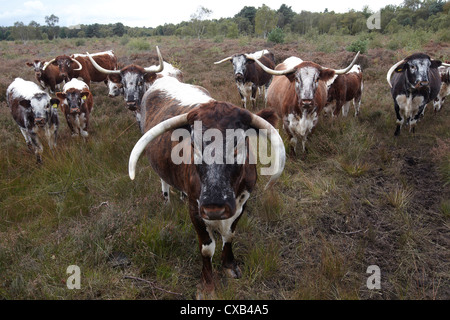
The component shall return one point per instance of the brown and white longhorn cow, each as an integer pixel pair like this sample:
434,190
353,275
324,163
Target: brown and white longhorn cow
134,81
342,90
80,66
34,111
217,191
49,77
444,71
249,77
76,104
299,94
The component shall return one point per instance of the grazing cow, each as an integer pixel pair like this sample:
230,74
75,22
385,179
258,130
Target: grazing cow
249,76
76,104
34,111
445,88
116,88
343,89
216,191
300,95
48,78
134,81
85,69
415,82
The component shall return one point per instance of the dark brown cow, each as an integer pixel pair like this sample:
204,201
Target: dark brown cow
217,191
80,66
344,89
34,111
76,104
299,95
48,78
249,76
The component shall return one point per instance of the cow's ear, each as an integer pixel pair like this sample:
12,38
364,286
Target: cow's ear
25,103
269,115
116,78
55,63
54,102
291,76
400,68
29,64
435,64
150,77
84,95
326,74
61,96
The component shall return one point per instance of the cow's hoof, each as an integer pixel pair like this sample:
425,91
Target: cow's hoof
205,293
234,273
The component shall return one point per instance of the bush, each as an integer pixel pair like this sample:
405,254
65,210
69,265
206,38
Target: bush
276,35
358,45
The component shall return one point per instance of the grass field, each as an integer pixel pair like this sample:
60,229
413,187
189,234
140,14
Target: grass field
360,197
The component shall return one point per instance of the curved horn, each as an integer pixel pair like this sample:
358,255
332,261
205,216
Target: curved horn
159,68
101,69
79,65
391,70
342,71
278,146
446,64
149,136
268,70
223,60
47,64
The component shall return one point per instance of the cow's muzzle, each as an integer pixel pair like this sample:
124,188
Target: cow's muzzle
75,110
213,212
132,105
306,102
40,122
239,77
422,84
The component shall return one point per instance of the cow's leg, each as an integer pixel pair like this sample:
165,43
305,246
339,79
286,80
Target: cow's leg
84,120
71,124
357,104
37,145
165,191
400,120
253,95
229,264
27,137
50,134
207,247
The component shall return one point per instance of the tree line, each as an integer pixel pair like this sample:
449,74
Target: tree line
264,22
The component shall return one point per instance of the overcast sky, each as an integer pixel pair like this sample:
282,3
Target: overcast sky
150,13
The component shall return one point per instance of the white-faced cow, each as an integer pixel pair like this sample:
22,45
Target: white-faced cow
299,94
415,82
34,111
342,90
80,66
445,88
49,78
249,77
76,104
217,191
134,81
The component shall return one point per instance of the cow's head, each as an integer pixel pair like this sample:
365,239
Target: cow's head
306,76
240,63
37,66
416,68
132,80
66,66
74,99
114,88
216,185
39,108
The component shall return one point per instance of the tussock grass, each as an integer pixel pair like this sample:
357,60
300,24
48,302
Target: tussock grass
358,197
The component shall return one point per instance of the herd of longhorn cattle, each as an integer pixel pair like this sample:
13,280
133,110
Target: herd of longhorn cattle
297,92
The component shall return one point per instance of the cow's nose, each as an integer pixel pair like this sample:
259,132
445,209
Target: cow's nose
39,122
424,83
131,105
239,76
213,212
75,110
307,102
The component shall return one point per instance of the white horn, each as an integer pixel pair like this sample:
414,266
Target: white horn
446,64
391,70
159,68
279,155
342,71
223,60
47,64
268,70
99,68
149,136
79,65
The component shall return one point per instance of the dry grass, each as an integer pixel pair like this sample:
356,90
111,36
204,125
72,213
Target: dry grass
361,197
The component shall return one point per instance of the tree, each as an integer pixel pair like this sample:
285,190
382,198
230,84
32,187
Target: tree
198,20
51,22
285,15
265,20
248,13
119,29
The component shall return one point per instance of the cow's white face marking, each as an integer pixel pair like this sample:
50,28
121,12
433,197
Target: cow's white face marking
306,83
239,64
